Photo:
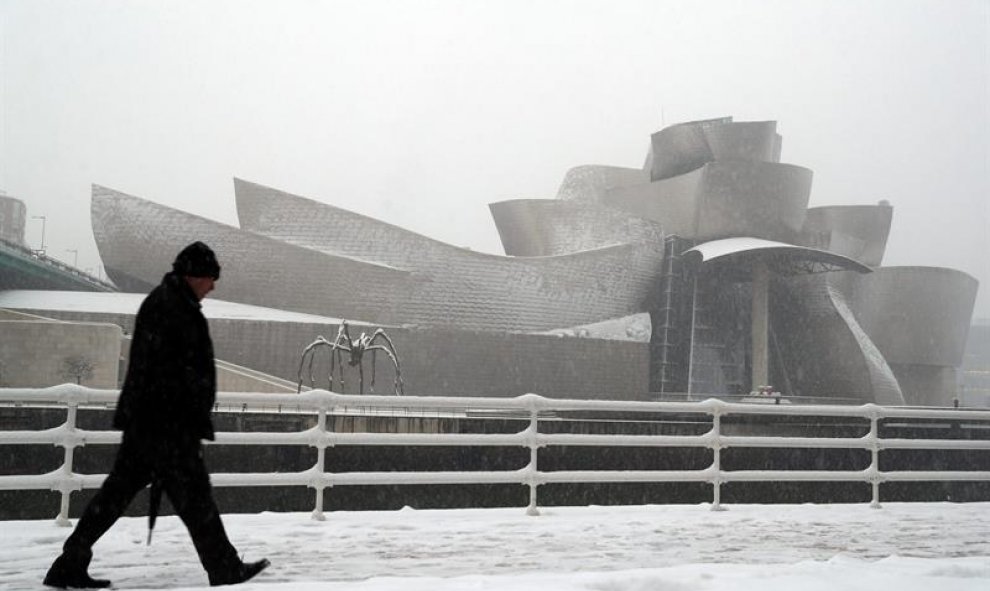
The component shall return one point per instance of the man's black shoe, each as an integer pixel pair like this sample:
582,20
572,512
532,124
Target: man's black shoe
242,572
68,574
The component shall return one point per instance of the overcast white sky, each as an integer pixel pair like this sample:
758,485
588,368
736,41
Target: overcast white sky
421,113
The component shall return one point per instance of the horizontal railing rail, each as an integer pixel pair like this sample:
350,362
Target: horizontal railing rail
530,408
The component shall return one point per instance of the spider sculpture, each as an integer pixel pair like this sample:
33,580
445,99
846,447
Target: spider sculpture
355,348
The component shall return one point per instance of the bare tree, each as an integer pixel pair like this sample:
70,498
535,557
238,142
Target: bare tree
77,367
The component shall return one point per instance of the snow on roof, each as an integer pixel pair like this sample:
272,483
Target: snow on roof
128,303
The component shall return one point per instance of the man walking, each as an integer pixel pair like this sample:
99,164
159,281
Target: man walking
164,413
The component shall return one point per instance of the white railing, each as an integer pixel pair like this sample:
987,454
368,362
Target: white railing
527,407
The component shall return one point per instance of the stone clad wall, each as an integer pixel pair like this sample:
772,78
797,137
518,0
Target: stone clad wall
437,362
35,354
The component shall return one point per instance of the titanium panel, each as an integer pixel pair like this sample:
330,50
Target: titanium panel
138,241
744,140
916,315
590,182
681,148
545,227
462,288
856,231
724,199
928,385
825,352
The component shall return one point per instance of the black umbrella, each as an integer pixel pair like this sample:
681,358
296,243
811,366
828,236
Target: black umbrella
154,500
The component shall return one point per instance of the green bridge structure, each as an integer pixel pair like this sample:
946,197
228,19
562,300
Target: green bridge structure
22,268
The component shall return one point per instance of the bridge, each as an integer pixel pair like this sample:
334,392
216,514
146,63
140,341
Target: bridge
22,268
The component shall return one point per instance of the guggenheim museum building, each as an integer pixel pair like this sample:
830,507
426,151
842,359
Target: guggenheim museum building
702,274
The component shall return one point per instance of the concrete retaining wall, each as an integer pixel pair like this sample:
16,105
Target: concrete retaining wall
39,354
438,362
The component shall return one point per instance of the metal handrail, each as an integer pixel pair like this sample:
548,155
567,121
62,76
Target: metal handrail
529,407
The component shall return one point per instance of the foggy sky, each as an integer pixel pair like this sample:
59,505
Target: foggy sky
421,113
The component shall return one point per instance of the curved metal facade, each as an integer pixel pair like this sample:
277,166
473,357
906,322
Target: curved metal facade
919,318
451,286
724,199
591,182
545,227
706,180
916,315
855,231
824,350
611,245
681,148
819,349
138,241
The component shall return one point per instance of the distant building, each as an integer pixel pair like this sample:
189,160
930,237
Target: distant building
13,215
975,389
704,273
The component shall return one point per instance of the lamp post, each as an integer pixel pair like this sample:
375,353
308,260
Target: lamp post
75,257
43,220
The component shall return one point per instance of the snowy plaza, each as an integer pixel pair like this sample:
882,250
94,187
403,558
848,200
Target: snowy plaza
904,546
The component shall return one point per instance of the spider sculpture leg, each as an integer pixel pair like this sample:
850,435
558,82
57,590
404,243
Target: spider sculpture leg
373,371
309,352
390,351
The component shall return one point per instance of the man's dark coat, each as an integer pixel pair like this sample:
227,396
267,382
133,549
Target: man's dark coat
170,386
164,412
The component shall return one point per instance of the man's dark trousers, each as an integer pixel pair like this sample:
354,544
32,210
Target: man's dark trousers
178,463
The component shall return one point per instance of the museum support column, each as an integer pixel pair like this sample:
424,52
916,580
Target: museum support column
761,325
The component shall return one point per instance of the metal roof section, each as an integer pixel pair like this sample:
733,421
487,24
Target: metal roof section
723,198
138,239
550,227
681,148
857,231
608,276
897,304
592,182
739,254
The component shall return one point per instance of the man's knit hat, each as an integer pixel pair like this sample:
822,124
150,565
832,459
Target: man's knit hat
197,260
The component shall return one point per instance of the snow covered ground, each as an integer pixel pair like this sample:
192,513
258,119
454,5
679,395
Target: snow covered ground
908,547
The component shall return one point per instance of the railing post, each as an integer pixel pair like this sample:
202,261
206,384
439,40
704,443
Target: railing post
318,469
69,445
716,446
531,433
873,472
